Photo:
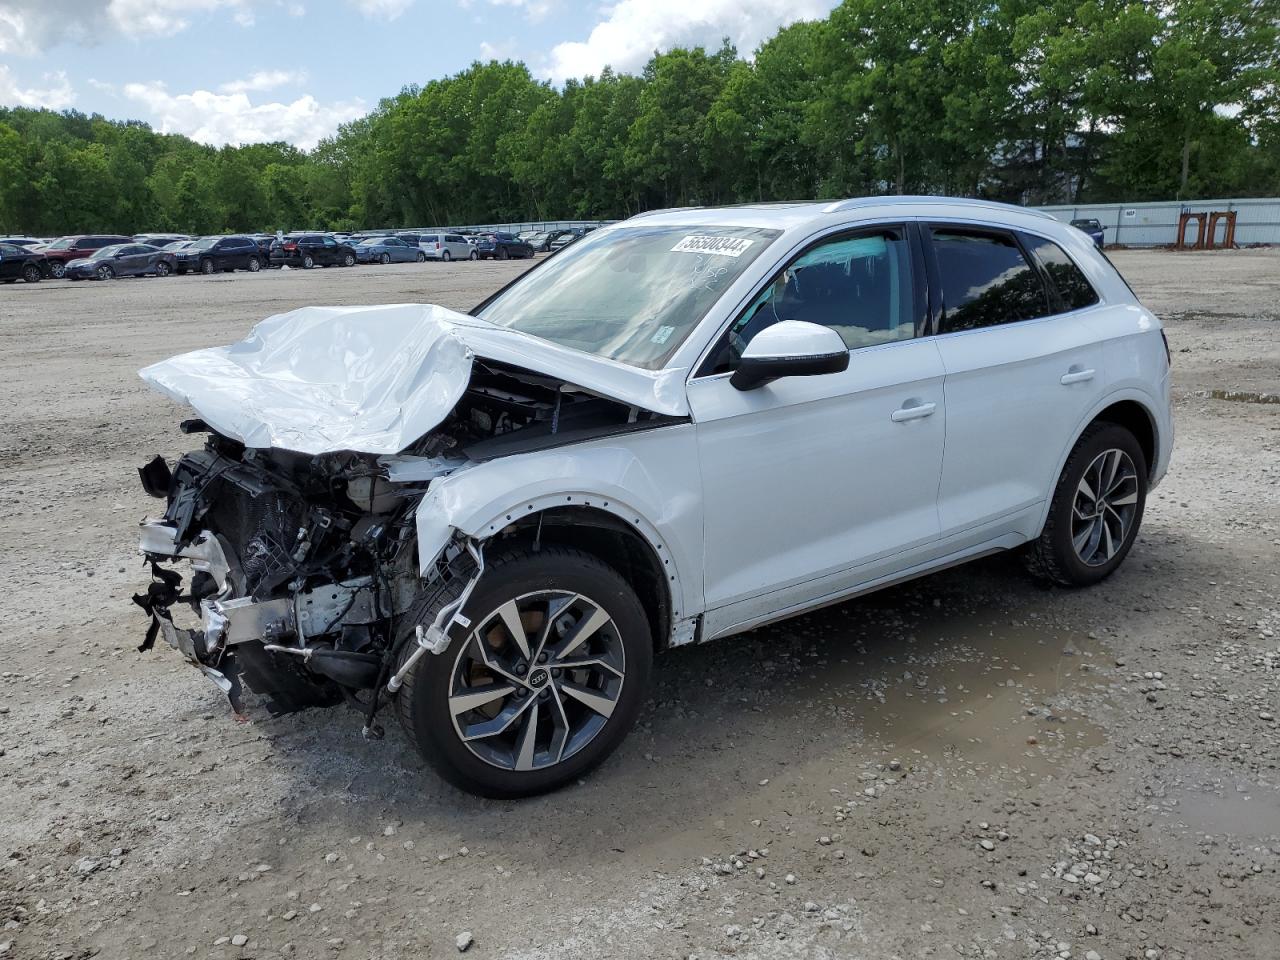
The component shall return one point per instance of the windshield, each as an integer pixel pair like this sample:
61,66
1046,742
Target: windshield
62,244
373,240
204,243
631,294
104,252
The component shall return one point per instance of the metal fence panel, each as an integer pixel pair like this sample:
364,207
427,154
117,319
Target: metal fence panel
1156,224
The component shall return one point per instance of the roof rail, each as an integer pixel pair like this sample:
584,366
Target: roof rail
853,203
651,213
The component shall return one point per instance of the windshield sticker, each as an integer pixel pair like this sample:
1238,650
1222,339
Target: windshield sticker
663,334
720,246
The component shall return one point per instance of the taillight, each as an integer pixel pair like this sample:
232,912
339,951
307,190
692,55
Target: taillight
291,246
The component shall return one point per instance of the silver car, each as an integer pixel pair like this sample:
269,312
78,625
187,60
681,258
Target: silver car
446,246
387,250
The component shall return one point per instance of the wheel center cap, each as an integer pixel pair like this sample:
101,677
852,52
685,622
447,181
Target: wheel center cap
538,678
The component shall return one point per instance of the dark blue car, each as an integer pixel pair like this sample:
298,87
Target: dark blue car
1093,228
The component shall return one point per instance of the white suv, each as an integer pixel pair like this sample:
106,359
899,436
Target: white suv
685,426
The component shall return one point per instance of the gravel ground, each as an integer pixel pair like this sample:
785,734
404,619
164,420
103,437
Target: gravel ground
969,765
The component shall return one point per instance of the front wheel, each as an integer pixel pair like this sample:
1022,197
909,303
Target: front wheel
422,257
446,256
206,267
541,686
473,256
105,272
1096,509
349,260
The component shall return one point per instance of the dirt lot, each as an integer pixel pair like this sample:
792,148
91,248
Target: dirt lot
969,765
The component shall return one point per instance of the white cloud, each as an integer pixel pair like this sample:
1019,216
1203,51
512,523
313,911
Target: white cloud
264,80
382,9
55,95
502,50
27,29
632,29
233,118
534,10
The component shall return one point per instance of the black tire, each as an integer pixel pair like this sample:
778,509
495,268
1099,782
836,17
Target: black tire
423,702
1053,556
385,259
206,267
162,269
31,273
58,269
308,262
254,264
446,256
105,272
349,260
422,257
474,256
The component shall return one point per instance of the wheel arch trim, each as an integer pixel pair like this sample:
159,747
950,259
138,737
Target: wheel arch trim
481,501
1161,434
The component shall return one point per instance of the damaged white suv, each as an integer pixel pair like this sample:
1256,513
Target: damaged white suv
681,427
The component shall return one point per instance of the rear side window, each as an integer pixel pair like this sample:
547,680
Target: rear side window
1074,290
985,280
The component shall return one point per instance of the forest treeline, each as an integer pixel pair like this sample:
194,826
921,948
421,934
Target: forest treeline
1021,100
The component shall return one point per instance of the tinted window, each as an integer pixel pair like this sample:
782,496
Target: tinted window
985,281
330,242
9,250
858,286
1073,289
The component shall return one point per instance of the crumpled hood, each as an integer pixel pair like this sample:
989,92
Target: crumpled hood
374,379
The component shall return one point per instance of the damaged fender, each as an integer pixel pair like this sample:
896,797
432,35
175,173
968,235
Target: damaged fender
648,480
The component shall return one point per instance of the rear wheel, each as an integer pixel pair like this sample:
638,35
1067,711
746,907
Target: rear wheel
308,262
1096,509
58,269
162,268
544,682
422,257
385,258
473,256
349,260
254,265
31,273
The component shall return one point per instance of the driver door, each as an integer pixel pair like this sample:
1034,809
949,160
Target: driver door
815,485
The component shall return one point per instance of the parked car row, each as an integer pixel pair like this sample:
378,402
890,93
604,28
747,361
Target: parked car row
107,256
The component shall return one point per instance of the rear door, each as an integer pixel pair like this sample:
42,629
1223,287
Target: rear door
1022,369
131,261
11,260
329,251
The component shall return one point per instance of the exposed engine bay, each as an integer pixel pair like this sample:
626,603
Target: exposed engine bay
304,569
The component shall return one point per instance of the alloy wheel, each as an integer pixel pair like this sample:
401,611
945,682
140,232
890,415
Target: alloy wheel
537,680
1105,503
162,269
58,269
105,272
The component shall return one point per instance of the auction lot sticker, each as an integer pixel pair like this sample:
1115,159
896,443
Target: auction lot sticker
720,246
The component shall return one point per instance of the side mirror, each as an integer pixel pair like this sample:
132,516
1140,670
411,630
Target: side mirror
791,348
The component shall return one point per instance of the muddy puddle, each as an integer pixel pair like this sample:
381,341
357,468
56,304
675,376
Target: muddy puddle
1205,801
977,691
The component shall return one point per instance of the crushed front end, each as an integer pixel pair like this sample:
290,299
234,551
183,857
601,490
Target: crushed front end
298,568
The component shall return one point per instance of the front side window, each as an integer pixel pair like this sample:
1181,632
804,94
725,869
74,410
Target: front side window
985,280
632,294
859,286
1074,290
330,242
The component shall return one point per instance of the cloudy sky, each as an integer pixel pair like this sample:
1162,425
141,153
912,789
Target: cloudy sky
239,71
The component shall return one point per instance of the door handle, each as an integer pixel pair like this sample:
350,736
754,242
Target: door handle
1077,375
913,411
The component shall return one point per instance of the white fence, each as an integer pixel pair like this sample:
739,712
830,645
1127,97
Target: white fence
1156,224
1128,224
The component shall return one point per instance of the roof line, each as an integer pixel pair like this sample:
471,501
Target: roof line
853,203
